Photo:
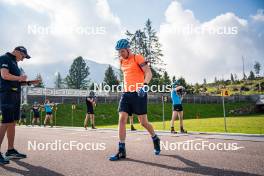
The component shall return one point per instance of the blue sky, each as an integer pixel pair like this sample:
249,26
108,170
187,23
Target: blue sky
194,56
134,13
207,9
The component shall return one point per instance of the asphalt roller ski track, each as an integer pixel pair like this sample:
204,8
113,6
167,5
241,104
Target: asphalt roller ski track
247,159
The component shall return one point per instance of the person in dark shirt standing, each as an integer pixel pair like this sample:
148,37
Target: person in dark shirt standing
23,115
11,81
90,103
36,114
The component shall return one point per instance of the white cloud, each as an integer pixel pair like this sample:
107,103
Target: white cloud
197,50
75,28
66,29
259,16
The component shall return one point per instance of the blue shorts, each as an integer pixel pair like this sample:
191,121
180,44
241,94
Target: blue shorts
10,106
131,103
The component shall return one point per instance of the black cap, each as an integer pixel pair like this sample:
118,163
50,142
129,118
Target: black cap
23,50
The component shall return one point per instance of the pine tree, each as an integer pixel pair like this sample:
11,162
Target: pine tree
215,80
166,79
153,47
58,81
257,67
110,77
232,78
182,82
146,43
156,78
196,88
78,73
204,81
251,75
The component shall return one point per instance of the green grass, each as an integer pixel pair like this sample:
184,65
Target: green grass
247,124
197,117
106,114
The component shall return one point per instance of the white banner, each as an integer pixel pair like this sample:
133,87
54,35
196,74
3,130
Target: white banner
62,92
